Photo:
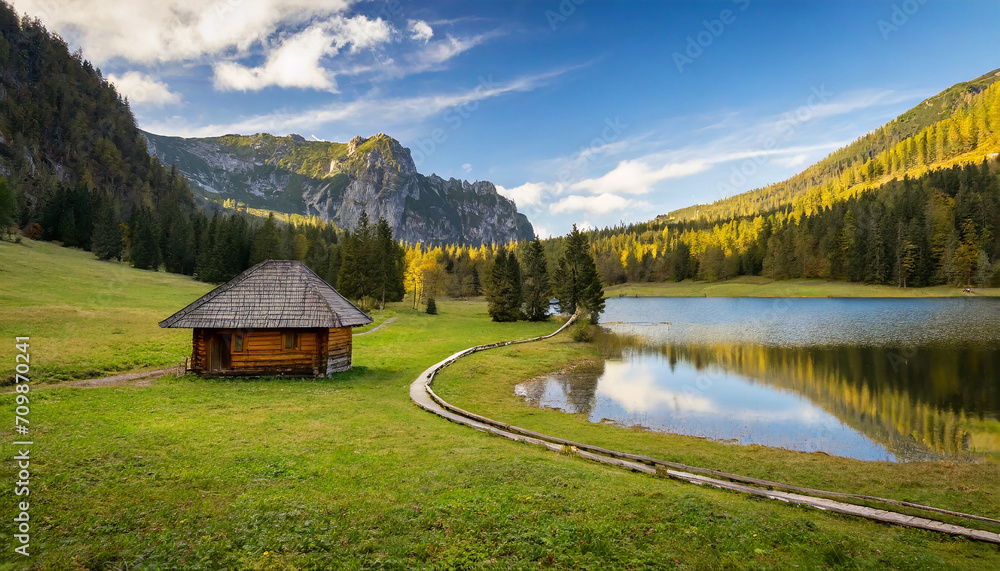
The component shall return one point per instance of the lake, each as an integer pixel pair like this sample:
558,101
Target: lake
872,379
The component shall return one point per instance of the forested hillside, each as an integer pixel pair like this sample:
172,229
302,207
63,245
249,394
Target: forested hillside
940,228
957,126
74,168
70,150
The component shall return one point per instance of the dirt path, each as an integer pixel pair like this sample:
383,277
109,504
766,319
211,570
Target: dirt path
380,326
141,379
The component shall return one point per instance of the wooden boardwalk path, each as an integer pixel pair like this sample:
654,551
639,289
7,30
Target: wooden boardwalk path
423,396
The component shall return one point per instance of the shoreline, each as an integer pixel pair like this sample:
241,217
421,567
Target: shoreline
753,286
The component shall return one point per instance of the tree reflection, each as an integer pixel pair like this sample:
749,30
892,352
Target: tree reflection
942,400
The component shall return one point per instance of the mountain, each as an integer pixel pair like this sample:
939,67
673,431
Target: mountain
940,131
64,129
339,181
913,203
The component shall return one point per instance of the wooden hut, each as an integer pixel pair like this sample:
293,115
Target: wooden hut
276,318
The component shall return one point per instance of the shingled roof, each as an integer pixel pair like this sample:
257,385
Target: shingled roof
272,294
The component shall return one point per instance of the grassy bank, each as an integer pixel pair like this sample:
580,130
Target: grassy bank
754,286
85,317
346,473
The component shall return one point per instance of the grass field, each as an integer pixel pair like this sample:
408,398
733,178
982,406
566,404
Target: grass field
87,317
755,286
346,473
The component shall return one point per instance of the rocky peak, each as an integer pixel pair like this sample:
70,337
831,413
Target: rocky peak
376,175
356,142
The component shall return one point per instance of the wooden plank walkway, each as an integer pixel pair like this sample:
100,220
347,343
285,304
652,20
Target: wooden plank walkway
423,396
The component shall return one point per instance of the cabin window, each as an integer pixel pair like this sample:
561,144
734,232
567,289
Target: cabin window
237,342
291,340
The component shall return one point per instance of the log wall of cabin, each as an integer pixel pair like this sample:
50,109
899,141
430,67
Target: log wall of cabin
199,351
319,352
339,352
264,352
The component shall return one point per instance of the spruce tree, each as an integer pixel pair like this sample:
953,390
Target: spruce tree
499,291
203,266
536,282
515,295
267,243
178,254
578,284
145,251
347,275
67,228
8,206
475,283
391,264
107,243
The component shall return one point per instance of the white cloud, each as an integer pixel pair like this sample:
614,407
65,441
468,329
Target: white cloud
528,194
856,100
432,56
601,204
467,167
296,61
172,30
143,89
793,161
419,30
637,391
637,177
387,112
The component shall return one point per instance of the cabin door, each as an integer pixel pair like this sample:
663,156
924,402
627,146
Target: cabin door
218,359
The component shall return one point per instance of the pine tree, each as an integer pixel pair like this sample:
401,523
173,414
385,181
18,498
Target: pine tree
107,243
431,306
536,282
593,292
67,228
578,285
267,243
8,206
984,269
203,267
515,295
500,290
474,282
390,264
145,251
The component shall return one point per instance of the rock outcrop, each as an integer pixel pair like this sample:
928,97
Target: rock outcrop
338,181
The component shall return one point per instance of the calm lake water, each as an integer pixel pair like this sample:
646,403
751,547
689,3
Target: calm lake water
873,379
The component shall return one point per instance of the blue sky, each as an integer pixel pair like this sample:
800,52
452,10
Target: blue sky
583,112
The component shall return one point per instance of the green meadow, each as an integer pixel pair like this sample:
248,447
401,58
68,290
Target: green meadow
274,474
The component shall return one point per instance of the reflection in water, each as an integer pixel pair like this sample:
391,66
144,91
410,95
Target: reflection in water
869,401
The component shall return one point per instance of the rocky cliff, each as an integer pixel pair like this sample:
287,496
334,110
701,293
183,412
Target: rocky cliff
339,181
